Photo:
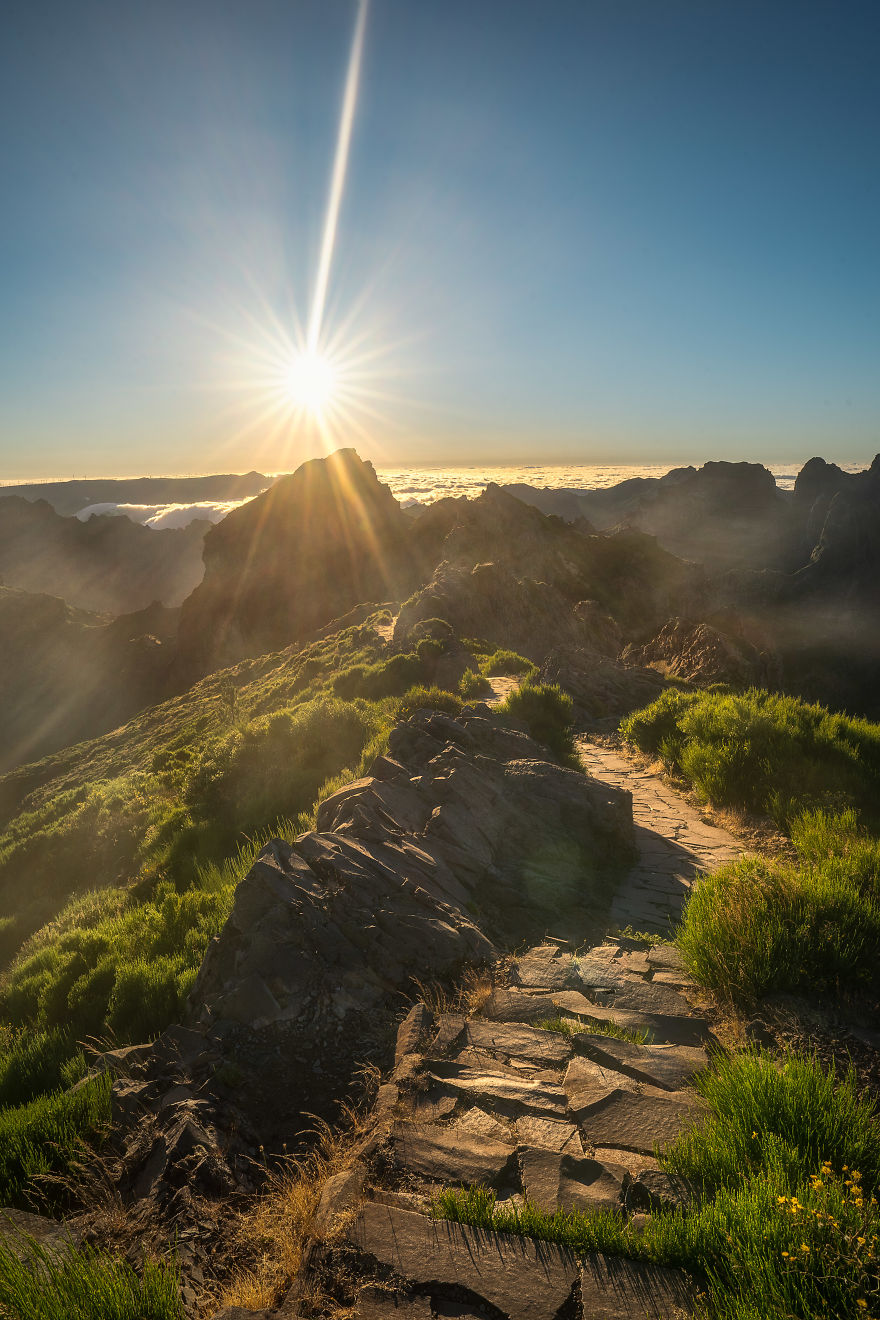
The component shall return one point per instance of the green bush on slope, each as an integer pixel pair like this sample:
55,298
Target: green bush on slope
548,714
47,1134
761,751
759,925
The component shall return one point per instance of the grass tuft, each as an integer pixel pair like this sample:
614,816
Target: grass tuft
602,1027
36,1284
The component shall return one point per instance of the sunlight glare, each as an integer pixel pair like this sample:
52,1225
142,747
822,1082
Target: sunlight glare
311,382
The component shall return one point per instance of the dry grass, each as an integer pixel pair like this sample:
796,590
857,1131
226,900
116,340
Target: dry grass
468,996
274,1230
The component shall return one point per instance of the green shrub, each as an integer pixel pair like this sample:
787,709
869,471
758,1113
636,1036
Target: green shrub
438,629
428,698
38,1285
112,961
548,714
275,765
759,925
762,751
783,1116
46,1135
388,678
473,684
507,662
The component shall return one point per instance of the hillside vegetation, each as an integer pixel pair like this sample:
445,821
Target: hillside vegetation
762,924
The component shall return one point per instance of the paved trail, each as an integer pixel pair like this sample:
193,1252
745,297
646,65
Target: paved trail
674,843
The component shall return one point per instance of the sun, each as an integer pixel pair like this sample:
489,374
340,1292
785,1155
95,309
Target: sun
311,382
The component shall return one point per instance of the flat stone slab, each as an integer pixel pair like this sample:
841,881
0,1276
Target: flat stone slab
617,1289
585,1083
525,1280
637,1122
670,1029
450,1155
548,1049
506,1094
545,968
549,1134
669,1066
567,1182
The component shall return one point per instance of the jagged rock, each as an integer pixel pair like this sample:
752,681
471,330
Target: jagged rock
601,686
341,1194
411,1030
702,654
325,930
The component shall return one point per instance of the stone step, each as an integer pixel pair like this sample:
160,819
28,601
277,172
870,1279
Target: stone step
523,1279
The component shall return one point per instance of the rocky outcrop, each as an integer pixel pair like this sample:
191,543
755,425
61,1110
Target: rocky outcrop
306,551
494,1099
109,565
602,688
702,654
459,842
67,674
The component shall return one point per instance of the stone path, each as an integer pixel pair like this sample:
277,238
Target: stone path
674,843
497,1098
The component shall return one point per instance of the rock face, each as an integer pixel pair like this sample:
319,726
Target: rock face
525,581
461,840
569,1121
67,674
702,654
306,551
602,688
107,564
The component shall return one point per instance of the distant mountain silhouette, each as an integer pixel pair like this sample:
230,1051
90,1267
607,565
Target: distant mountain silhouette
106,564
68,674
68,497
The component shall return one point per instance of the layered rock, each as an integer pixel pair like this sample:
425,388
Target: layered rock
460,841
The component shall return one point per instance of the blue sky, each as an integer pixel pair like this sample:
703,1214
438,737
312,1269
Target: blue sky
604,230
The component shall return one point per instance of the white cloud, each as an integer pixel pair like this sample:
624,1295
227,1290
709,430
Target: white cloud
164,516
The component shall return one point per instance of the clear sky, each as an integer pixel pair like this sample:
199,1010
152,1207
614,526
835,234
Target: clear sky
594,230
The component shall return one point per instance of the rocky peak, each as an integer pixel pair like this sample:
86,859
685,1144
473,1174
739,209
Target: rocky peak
307,550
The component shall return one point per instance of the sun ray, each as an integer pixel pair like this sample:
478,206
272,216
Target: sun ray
337,183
